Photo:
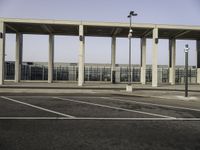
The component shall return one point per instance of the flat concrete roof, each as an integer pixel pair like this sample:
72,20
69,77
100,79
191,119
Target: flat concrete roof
99,29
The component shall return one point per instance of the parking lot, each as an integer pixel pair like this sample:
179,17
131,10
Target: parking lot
89,121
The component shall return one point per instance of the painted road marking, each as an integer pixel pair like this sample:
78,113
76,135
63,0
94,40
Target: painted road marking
91,118
152,104
112,107
37,107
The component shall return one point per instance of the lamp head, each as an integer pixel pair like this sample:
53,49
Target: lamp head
132,13
186,48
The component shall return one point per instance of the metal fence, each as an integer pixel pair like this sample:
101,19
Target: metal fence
9,71
97,73
31,71
180,75
69,73
135,74
34,72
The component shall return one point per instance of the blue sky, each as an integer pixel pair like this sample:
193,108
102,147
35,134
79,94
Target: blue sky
184,12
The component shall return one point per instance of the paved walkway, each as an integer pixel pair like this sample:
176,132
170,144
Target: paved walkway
173,95
162,91
96,85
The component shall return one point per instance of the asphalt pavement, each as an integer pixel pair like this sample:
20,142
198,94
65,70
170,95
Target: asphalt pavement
98,116
100,122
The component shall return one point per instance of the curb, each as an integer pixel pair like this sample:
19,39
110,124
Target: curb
149,96
93,88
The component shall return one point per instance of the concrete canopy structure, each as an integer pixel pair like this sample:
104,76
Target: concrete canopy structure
99,29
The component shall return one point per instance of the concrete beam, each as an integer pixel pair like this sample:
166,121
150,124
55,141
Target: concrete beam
2,52
172,61
181,34
51,58
81,56
113,58
179,27
155,58
12,28
47,28
147,33
109,24
18,57
198,61
116,31
143,61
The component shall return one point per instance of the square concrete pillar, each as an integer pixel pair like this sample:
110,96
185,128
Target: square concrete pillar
113,60
81,56
129,88
51,58
172,61
2,52
198,61
143,61
198,75
18,57
155,58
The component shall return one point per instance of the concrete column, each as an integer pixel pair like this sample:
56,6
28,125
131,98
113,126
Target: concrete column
81,56
51,58
172,61
143,61
155,58
113,58
18,55
198,61
2,52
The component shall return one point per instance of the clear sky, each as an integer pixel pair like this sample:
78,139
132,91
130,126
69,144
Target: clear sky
98,50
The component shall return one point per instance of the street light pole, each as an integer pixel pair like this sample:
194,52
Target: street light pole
132,13
129,38
186,69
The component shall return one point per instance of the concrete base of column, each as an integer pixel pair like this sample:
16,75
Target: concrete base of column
143,75
18,76
171,76
129,88
154,85
81,73
198,75
50,81
113,76
80,83
154,77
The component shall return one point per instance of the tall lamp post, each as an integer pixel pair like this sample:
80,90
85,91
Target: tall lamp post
186,49
131,14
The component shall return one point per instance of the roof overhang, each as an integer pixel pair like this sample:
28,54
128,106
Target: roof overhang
99,29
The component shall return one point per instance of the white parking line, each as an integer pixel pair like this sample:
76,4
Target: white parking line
112,107
152,104
91,118
37,107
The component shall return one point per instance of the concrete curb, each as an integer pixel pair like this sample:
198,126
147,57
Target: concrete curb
91,88
85,91
160,97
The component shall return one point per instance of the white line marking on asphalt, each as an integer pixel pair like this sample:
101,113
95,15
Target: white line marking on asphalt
112,107
91,118
37,107
146,103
